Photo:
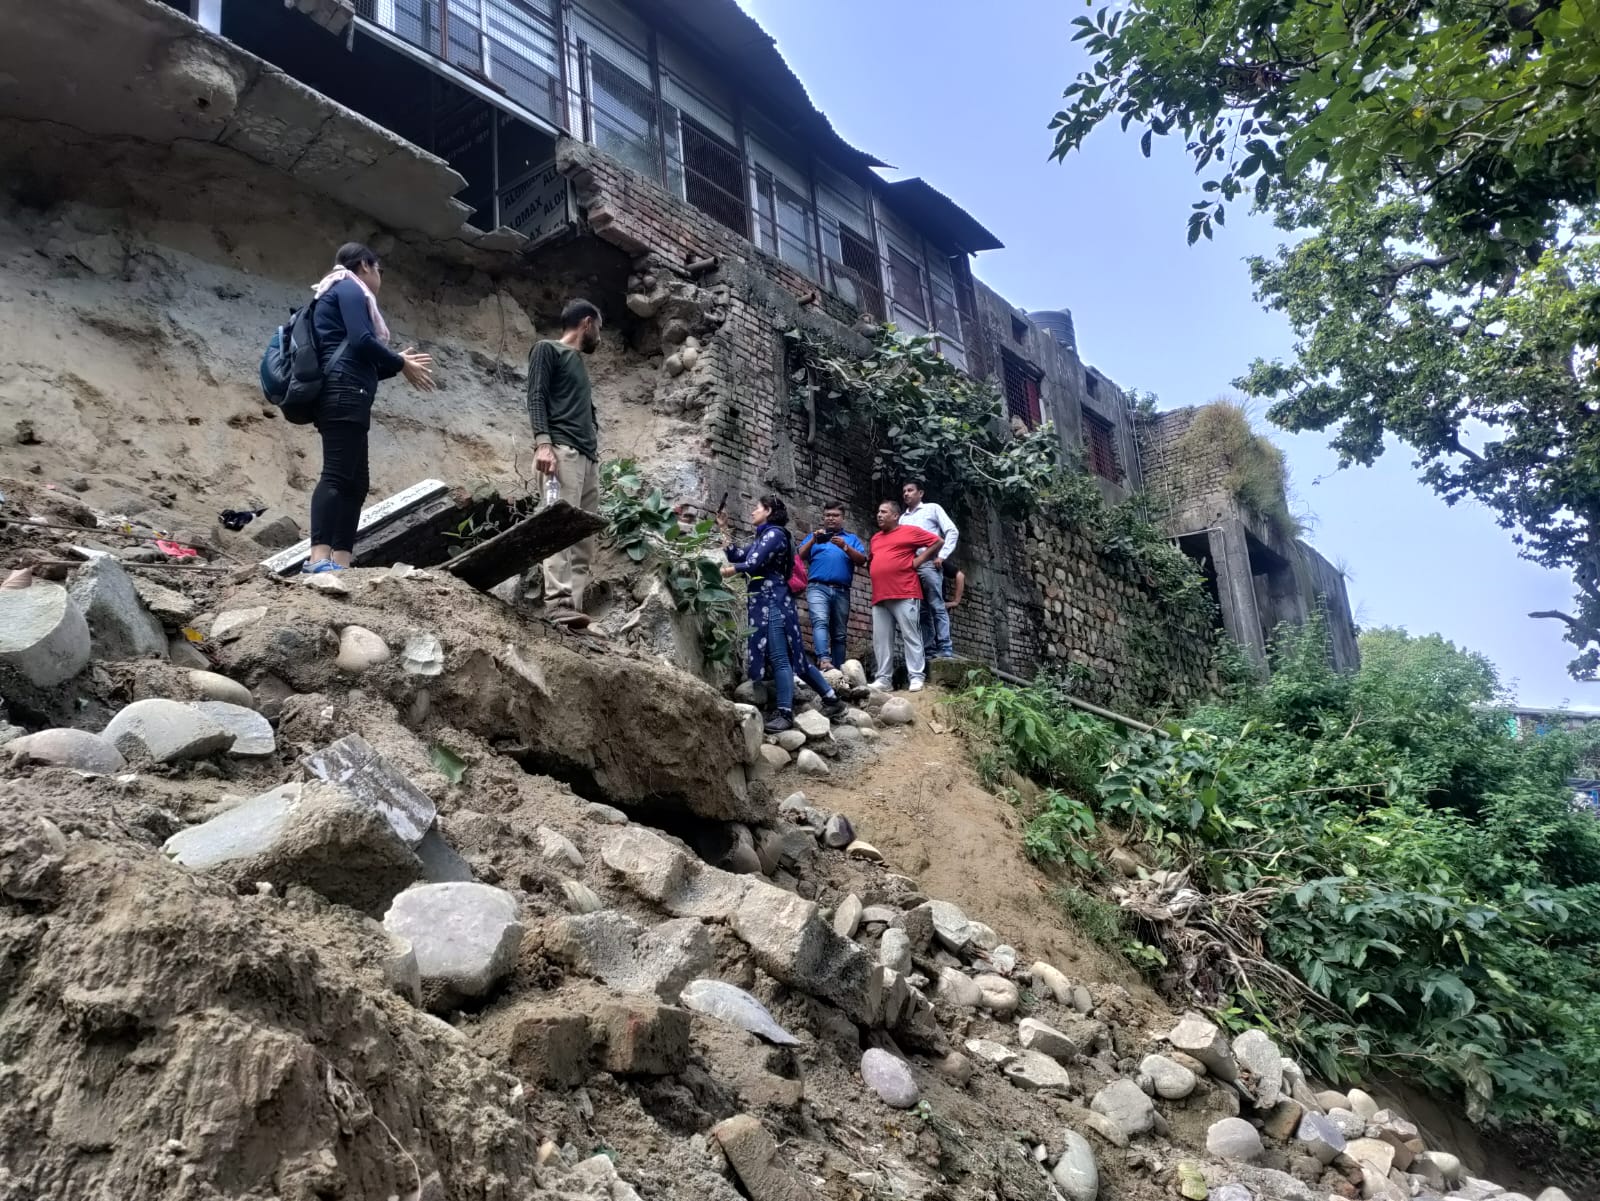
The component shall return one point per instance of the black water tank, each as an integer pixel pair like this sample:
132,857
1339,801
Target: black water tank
1058,324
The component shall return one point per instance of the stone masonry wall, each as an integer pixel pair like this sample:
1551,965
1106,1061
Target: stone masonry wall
1039,598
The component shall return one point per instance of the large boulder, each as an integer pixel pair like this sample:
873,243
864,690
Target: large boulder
43,636
465,936
316,835
163,731
120,627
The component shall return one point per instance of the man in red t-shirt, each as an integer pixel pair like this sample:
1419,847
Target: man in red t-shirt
896,554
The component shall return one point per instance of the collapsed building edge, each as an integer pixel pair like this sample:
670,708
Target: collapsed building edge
664,155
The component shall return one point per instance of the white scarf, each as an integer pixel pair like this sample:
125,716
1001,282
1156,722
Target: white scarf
379,326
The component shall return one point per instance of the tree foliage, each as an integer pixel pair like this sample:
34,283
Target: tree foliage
1422,893
1439,161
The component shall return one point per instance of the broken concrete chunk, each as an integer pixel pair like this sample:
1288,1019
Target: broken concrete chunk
731,1004
233,622
120,627
1205,1041
789,939
755,1160
950,926
315,835
630,957
166,605
1037,1036
1260,1065
1374,1152
163,731
352,764
252,733
360,649
641,1037
890,1078
990,1052
1037,1072
1125,1104
77,749
466,936
423,655
43,636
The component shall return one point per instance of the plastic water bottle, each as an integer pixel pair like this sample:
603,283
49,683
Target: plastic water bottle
552,490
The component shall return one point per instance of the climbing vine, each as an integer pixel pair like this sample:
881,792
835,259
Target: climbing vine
921,417
678,551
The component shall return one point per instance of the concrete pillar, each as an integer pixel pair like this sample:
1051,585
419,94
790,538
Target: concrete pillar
1230,553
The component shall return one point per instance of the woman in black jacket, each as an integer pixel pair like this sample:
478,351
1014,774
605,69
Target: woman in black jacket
352,345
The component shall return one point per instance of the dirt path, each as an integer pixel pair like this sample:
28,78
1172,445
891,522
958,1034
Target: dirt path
921,804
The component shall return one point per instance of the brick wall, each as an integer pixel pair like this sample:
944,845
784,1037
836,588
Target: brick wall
1037,596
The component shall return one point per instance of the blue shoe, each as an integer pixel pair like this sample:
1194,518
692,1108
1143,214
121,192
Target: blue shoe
320,566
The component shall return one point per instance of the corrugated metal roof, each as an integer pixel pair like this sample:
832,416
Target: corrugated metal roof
931,211
738,44
750,55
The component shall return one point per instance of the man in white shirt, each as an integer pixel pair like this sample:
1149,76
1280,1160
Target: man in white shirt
935,617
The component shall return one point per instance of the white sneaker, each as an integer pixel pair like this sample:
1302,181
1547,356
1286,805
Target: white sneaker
878,686
916,686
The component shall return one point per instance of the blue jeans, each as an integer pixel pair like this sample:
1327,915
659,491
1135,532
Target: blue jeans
830,619
935,617
783,670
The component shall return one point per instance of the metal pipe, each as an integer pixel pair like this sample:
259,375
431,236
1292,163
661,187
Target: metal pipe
1077,703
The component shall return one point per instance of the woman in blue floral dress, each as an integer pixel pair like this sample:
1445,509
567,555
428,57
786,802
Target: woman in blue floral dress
774,622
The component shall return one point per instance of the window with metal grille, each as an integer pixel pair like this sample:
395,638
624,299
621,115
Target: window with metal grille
854,274
905,285
711,175
1022,390
783,221
1100,440
622,116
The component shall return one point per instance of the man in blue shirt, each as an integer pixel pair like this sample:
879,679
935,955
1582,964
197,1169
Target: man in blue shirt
831,557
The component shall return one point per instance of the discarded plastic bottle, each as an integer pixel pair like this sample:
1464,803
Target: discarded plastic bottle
552,490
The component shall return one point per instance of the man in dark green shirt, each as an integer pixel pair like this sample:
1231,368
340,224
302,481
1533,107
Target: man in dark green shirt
567,447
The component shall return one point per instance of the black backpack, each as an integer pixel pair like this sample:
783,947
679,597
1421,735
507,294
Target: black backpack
291,367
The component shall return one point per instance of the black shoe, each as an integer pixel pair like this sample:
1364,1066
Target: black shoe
779,722
834,708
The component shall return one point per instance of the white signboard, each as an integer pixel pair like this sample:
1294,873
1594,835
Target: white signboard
539,205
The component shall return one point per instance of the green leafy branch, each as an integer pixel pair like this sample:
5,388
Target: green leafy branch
921,417
681,553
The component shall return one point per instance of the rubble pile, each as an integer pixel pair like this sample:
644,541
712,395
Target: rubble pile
382,890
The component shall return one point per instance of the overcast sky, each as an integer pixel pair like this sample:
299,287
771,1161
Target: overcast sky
962,96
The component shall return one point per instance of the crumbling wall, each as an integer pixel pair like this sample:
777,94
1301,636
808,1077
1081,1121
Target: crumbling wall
1049,600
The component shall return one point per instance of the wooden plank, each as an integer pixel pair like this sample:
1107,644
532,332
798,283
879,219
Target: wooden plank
532,540
387,529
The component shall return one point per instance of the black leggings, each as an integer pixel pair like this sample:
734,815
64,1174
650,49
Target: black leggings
342,489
